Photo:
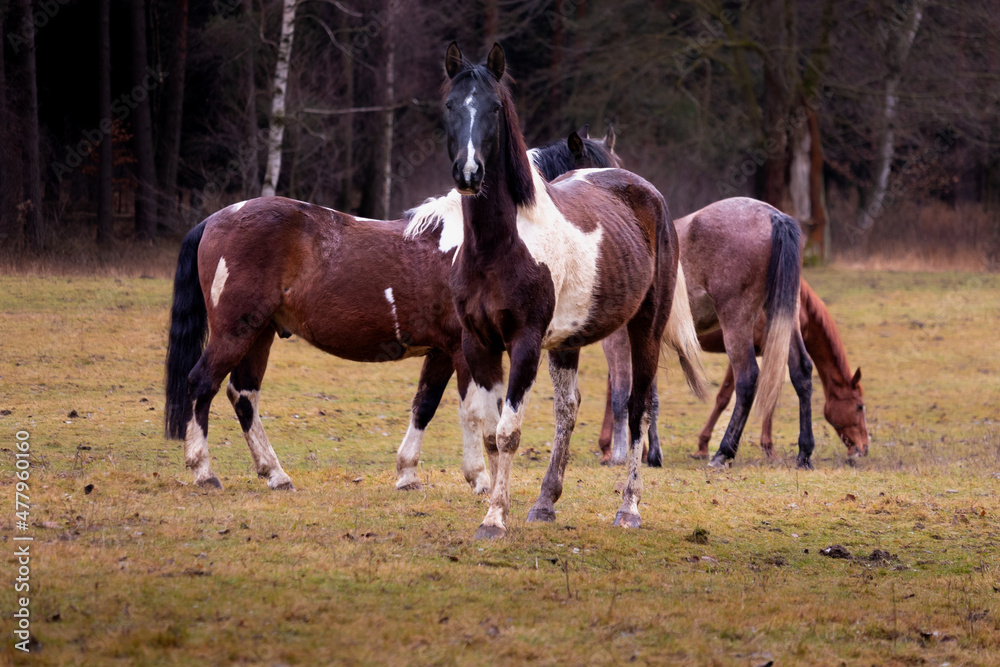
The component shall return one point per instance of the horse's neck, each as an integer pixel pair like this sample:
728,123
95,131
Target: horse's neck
825,349
490,218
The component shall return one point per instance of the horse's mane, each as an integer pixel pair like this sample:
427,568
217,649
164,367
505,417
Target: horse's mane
820,316
519,178
554,158
432,213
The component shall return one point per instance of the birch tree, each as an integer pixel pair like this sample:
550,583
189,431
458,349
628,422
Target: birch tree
280,90
899,34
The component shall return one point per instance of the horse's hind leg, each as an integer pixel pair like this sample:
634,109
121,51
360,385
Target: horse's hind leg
607,428
741,356
616,350
434,377
244,393
566,403
221,355
645,332
721,401
654,458
800,369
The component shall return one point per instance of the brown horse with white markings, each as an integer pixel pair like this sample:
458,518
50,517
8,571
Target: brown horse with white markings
741,260
548,265
365,290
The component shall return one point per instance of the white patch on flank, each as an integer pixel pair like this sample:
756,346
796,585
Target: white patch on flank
445,212
395,318
470,161
238,206
570,255
219,282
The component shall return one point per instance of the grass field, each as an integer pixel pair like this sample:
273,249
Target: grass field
142,567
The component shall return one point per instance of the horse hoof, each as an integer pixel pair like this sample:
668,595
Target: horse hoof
412,486
804,464
699,455
210,483
720,462
541,514
655,461
627,520
485,532
285,486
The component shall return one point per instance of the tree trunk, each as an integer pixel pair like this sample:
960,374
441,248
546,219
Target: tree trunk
873,201
277,124
491,24
389,117
9,229
145,198
32,205
248,158
170,137
817,243
346,199
105,176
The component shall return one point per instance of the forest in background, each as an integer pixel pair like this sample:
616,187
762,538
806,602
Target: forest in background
875,123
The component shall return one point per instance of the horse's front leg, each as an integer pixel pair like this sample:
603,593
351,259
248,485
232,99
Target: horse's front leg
472,418
562,369
434,377
800,369
524,354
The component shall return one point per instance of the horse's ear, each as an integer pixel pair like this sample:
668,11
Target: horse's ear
453,60
584,131
496,61
857,378
576,147
609,138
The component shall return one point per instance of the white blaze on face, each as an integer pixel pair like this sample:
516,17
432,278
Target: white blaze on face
219,282
569,253
470,161
392,304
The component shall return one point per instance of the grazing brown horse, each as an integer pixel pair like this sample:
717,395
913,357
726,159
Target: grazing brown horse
741,260
548,265
274,265
844,407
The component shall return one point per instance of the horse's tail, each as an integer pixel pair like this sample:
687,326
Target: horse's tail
781,303
683,338
188,328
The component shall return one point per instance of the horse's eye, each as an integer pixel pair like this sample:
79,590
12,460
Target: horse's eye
447,105
861,406
497,107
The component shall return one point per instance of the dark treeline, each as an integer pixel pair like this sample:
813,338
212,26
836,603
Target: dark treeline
875,123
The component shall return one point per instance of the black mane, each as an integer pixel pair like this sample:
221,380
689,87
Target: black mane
554,158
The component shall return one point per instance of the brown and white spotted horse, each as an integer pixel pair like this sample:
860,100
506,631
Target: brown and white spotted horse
554,266
741,259
360,289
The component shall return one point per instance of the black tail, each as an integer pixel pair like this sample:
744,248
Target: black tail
781,304
188,328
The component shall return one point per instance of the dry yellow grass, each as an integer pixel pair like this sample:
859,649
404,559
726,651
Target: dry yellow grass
147,569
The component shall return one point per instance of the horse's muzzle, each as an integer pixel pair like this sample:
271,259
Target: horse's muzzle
468,181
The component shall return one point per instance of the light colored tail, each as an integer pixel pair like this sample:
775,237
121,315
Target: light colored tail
782,307
680,334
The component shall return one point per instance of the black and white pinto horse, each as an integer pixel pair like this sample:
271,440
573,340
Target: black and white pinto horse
548,265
